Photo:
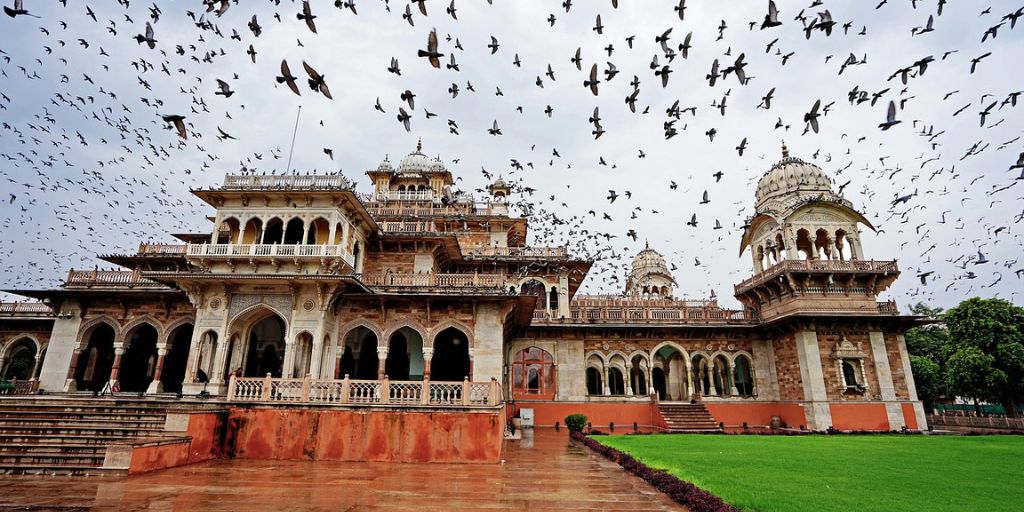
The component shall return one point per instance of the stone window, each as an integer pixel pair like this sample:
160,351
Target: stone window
849,360
533,373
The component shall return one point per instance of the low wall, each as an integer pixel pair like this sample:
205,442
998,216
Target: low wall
756,414
862,416
378,434
144,455
600,414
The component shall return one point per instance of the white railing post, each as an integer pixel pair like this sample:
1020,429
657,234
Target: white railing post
385,390
231,387
425,391
305,388
346,387
465,391
268,385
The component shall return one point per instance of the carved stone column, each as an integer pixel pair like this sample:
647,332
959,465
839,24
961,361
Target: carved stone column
428,354
629,379
157,385
607,387
115,370
731,376
689,379
382,359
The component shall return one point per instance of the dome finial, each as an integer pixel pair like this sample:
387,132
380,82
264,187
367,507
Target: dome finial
785,150
419,144
647,244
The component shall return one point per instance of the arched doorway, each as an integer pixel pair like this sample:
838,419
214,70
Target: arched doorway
265,348
303,355
616,383
658,378
743,375
273,233
537,289
139,360
96,361
293,231
638,377
533,374
723,381
594,387
176,360
451,356
702,379
360,358
405,355
673,373
20,360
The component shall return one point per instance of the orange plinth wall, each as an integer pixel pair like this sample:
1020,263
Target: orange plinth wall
358,435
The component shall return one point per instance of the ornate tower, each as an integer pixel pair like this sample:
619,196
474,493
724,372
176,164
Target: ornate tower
805,246
650,277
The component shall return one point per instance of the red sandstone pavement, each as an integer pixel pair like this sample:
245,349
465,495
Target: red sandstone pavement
547,472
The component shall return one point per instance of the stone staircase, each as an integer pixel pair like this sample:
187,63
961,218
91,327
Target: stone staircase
69,435
685,417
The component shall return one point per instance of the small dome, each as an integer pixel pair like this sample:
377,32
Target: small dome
792,175
414,163
385,166
437,166
650,276
649,261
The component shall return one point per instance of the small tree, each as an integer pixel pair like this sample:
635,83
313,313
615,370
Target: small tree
928,346
986,355
575,422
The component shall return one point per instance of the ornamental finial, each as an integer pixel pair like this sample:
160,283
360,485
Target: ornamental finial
785,150
419,144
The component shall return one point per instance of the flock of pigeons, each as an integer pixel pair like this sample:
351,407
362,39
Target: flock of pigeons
67,158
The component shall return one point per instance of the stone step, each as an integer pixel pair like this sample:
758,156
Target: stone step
51,459
99,412
53,448
42,469
70,430
688,418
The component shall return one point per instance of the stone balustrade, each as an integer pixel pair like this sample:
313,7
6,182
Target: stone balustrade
414,228
432,280
162,249
107,278
24,308
837,266
888,308
515,252
285,182
349,392
645,315
301,251
454,210
19,387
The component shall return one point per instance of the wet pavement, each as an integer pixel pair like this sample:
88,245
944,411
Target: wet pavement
544,471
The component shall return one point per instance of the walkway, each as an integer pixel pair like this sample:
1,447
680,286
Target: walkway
544,473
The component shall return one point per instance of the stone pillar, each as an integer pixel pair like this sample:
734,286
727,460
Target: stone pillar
689,380
69,383
219,361
382,358
649,381
331,232
731,378
428,354
115,370
816,407
563,298
628,380
36,366
288,372
893,409
711,378
157,385
766,381
908,377
604,381
316,356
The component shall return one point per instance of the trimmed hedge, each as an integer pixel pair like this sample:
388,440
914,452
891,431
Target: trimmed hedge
684,493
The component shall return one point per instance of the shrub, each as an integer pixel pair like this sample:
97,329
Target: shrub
575,422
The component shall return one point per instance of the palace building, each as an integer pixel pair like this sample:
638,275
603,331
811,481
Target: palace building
305,291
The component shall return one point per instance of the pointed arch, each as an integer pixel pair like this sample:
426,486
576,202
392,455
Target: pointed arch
127,329
394,325
253,313
682,351
352,325
173,326
453,324
87,327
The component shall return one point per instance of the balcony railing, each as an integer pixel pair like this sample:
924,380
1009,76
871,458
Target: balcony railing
454,210
108,278
287,182
408,228
351,392
432,280
839,266
516,252
619,301
19,387
228,251
24,308
394,195
162,249
647,315
888,308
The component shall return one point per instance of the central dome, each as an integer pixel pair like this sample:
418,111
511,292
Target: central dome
418,163
791,175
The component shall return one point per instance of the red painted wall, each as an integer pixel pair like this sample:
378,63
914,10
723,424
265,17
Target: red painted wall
545,414
868,416
756,414
909,417
152,458
347,435
207,432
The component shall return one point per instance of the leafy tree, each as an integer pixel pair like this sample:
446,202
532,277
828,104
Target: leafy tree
928,346
986,352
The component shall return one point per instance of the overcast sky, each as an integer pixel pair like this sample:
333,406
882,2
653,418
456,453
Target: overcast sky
89,168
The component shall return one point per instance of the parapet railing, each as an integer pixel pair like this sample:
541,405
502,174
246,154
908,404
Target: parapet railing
393,228
365,392
976,422
516,252
647,315
28,308
285,182
172,249
820,266
457,209
434,280
19,387
888,307
112,278
271,250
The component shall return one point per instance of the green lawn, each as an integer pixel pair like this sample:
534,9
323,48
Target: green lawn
843,473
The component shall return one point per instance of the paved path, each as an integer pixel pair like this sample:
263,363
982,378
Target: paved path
547,472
